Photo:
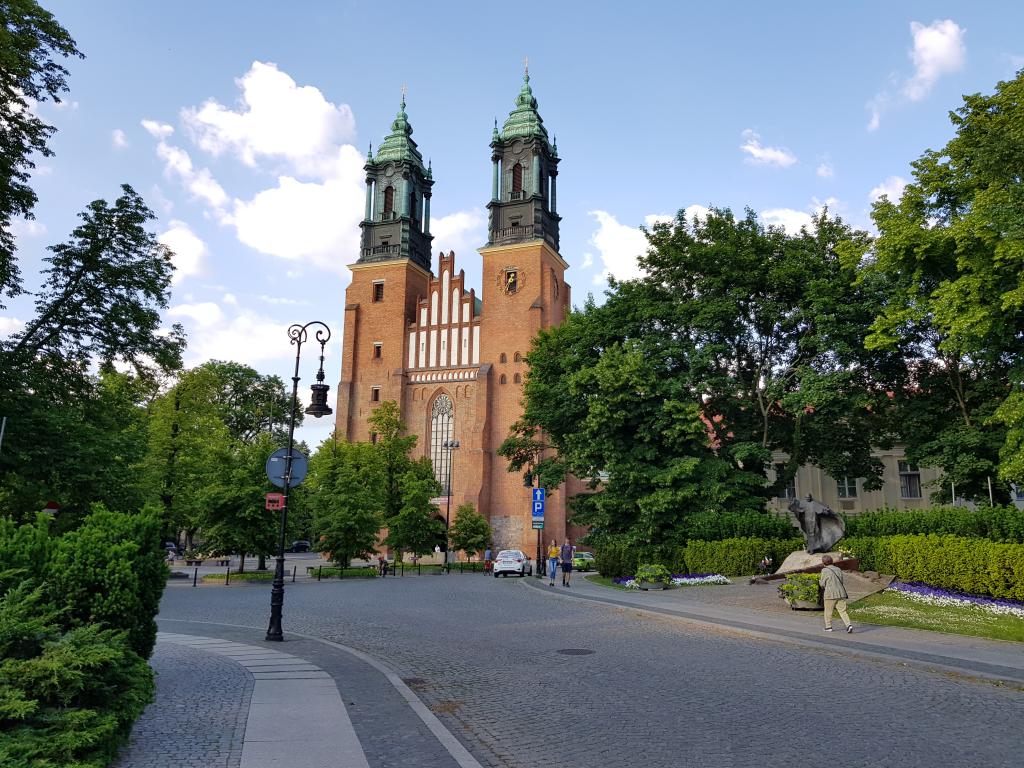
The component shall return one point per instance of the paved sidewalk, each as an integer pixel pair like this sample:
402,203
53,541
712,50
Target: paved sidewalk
732,607
227,698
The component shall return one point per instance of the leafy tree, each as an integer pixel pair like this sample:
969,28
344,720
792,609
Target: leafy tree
470,532
235,518
394,446
951,252
344,491
673,396
250,403
32,43
189,451
417,527
103,293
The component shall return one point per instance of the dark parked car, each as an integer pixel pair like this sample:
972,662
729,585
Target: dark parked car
301,546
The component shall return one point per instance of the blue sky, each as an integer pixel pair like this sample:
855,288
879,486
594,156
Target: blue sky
244,125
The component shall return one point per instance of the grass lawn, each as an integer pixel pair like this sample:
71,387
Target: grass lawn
604,581
898,611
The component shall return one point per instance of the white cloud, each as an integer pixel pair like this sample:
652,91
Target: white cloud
199,182
825,170
789,219
793,220
462,231
118,139
10,325
588,260
276,119
204,315
157,130
618,245
892,188
265,299
761,155
230,298
27,228
938,50
305,220
189,250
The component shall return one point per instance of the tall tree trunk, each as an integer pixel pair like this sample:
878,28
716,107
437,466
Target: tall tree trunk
241,562
262,564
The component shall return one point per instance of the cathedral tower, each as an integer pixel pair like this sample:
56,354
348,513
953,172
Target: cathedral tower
388,279
523,291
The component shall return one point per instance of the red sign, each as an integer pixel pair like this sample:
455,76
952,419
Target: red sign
275,500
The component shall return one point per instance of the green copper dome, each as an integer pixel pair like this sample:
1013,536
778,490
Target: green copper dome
524,121
398,146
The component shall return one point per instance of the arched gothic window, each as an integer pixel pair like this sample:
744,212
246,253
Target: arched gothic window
502,358
517,358
517,178
502,379
517,379
389,199
442,422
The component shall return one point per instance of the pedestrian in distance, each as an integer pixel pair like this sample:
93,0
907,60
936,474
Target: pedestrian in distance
565,554
382,566
553,553
831,581
487,560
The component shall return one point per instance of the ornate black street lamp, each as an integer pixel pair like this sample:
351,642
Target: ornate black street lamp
317,407
448,445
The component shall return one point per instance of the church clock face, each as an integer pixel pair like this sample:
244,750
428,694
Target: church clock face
510,280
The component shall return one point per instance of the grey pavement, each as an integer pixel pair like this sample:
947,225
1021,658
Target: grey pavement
733,606
522,674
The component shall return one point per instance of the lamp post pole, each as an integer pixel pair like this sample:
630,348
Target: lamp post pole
317,407
449,445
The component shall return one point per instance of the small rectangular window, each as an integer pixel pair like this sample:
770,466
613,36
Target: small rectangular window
375,395
789,490
910,481
847,487
378,350
373,438
378,291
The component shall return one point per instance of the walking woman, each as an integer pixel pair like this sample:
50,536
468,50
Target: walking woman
552,563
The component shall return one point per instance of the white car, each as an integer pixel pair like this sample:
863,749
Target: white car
512,561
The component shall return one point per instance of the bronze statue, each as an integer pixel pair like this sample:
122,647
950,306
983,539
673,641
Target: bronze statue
821,526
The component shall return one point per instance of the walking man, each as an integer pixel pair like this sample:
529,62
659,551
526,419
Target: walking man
565,554
831,581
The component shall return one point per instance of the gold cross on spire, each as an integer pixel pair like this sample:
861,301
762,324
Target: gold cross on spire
526,65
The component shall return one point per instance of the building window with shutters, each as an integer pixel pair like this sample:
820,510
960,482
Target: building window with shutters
847,487
389,202
517,181
910,481
378,350
378,290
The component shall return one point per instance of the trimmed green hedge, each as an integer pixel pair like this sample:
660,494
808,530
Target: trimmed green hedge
975,566
330,572
729,557
1004,524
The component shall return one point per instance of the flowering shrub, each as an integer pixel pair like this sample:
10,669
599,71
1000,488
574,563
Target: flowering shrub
922,593
800,586
656,574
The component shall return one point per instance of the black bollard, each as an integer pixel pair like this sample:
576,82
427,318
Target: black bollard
195,577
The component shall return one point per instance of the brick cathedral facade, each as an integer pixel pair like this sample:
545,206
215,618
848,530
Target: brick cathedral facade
453,360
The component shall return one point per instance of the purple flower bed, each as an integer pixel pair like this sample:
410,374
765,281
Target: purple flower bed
924,593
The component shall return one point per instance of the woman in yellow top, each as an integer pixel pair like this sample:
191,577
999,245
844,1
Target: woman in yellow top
552,563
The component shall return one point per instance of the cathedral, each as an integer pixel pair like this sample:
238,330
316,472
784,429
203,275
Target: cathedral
454,360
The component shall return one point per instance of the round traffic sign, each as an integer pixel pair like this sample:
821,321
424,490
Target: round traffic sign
279,460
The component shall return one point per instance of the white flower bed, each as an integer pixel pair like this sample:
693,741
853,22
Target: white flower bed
700,580
921,593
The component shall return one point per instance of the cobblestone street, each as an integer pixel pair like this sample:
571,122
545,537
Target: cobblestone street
521,677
